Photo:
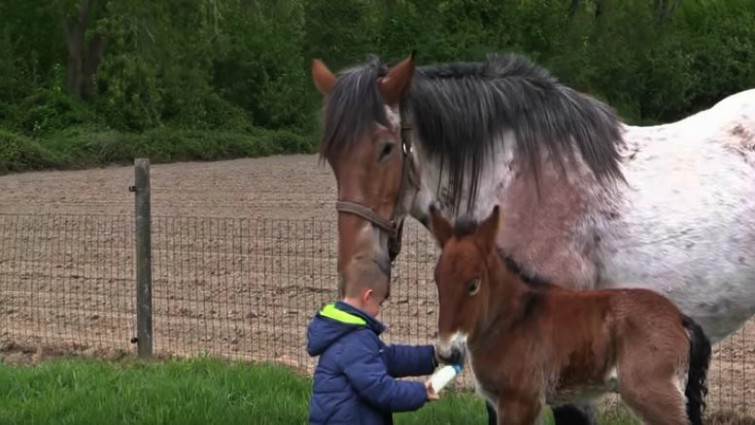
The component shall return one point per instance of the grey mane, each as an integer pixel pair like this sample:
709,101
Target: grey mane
460,110
353,107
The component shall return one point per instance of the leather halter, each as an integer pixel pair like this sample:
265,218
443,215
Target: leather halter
387,224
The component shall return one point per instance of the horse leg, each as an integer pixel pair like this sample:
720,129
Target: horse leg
574,414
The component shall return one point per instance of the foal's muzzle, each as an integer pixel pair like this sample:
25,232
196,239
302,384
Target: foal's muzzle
452,350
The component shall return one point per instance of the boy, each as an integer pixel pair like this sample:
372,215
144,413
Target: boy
354,379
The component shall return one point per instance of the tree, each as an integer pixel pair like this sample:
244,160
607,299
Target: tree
83,58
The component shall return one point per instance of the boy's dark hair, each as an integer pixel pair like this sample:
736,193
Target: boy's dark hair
361,274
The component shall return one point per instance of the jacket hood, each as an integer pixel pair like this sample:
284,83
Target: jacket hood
334,321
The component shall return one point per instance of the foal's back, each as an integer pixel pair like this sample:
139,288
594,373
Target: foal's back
596,329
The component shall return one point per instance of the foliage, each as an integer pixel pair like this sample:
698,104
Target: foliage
81,147
242,66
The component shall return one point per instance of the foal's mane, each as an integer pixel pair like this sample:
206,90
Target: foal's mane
461,110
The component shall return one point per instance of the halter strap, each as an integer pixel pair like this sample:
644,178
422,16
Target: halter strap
407,178
367,214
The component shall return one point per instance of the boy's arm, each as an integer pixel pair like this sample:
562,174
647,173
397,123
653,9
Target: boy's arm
364,368
410,360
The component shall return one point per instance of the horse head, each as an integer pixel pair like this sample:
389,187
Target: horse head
370,154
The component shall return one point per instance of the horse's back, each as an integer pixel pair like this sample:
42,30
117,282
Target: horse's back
738,108
687,224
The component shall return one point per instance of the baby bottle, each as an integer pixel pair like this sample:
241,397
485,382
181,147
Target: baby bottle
443,376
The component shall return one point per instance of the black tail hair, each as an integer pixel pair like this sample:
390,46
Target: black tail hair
699,360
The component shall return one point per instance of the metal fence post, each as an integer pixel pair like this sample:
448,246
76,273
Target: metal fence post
143,258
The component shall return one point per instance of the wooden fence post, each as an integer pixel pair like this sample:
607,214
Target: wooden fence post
143,258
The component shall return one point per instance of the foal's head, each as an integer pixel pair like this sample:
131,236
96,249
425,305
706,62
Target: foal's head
464,274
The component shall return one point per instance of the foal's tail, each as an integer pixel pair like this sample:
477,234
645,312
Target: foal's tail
699,359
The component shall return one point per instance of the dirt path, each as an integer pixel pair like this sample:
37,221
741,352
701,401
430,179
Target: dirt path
243,256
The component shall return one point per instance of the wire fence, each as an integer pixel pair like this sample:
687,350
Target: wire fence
229,287
239,288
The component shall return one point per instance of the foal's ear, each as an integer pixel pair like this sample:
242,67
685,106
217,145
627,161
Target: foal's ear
441,229
324,79
487,231
394,86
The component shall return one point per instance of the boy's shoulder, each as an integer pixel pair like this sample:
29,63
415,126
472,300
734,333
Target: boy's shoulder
348,314
338,326
364,336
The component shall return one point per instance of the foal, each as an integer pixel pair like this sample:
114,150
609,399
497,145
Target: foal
531,345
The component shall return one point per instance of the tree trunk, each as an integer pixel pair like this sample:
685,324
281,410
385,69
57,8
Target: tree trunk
573,8
91,63
75,29
82,64
664,9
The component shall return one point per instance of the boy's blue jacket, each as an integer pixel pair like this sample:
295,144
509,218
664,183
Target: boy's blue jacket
354,379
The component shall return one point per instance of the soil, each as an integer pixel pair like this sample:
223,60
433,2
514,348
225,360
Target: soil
243,255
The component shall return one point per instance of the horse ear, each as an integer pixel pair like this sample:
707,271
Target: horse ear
324,79
439,226
394,86
488,230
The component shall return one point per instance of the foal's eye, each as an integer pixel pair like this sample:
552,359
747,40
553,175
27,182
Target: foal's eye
387,149
473,287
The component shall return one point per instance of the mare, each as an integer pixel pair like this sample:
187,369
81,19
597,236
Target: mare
591,202
534,344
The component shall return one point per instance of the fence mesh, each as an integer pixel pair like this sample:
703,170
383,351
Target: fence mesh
67,280
229,287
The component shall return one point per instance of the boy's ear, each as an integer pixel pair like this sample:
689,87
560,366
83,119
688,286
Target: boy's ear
366,294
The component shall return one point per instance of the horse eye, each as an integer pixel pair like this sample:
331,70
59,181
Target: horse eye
473,286
387,149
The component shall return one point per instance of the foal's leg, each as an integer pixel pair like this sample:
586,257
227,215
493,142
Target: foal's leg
656,403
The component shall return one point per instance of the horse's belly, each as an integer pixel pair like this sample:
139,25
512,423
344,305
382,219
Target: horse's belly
688,228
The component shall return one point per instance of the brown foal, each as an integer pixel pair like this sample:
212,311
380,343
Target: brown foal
534,344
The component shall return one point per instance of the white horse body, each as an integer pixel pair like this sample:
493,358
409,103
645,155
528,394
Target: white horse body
688,226
684,224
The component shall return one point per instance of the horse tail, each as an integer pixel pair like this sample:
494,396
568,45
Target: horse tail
699,360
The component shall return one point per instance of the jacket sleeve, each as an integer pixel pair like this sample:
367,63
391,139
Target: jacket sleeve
409,360
363,365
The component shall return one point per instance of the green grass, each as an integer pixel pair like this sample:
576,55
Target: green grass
198,391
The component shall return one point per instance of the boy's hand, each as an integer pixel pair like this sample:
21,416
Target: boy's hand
431,395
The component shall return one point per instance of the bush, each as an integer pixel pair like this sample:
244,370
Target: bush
20,153
82,147
48,110
195,80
